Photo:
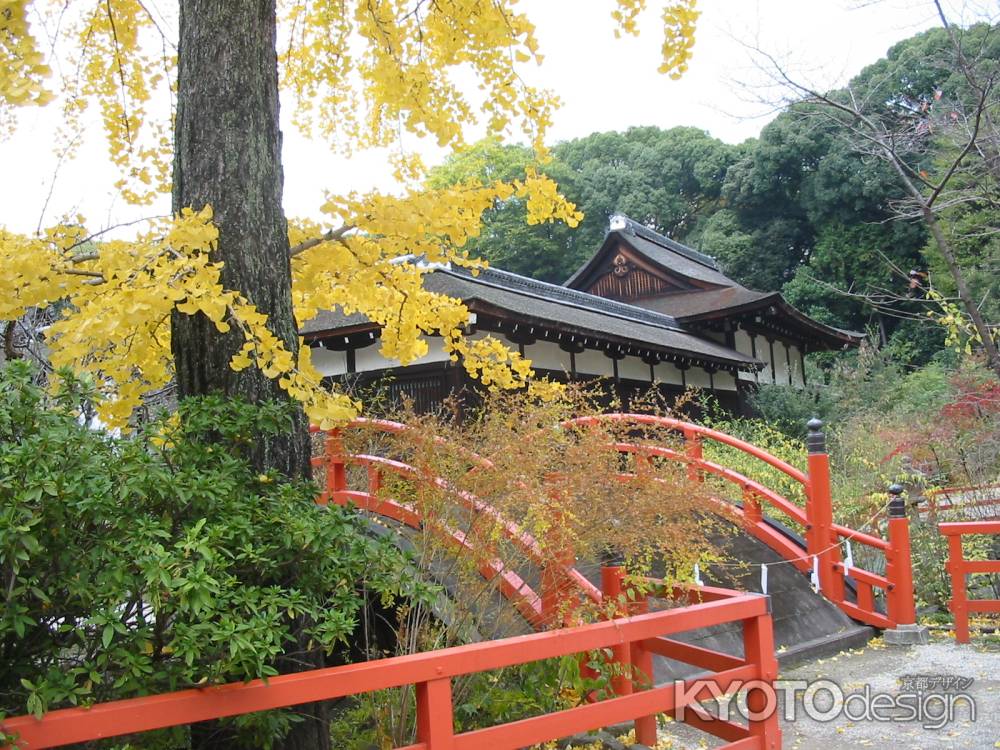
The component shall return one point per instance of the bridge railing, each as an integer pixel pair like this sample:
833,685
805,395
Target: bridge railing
974,502
559,577
823,535
958,567
633,639
884,600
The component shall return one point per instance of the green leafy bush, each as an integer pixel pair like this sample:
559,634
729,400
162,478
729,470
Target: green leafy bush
162,560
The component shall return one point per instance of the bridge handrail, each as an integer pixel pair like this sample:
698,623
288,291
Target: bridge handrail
823,536
432,672
687,428
396,428
518,592
743,482
846,532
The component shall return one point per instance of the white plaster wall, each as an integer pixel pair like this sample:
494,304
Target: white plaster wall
593,362
633,368
698,378
724,381
764,354
795,363
744,345
547,355
483,334
780,364
667,372
370,358
328,362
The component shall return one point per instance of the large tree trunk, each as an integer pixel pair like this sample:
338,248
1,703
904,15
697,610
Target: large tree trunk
227,153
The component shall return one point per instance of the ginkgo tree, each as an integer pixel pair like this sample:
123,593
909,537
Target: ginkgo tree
211,295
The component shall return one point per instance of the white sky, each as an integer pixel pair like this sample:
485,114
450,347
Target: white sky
604,83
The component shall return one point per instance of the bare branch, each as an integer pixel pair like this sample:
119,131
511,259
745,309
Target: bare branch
334,235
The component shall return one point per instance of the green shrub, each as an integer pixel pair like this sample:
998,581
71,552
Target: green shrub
162,560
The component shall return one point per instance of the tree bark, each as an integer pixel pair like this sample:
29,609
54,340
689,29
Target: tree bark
227,153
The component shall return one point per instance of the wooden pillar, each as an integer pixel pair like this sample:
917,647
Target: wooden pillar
821,541
435,722
959,604
901,605
612,590
758,649
642,675
774,369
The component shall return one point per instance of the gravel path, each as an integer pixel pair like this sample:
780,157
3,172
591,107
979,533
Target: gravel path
941,666
893,670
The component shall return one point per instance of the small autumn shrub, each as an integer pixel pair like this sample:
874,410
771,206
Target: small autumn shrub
163,560
566,487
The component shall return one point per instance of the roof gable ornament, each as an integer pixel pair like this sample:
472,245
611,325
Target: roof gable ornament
620,265
618,223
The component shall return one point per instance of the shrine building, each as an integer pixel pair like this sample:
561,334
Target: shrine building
642,310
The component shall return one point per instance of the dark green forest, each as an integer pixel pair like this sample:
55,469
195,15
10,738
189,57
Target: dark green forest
811,207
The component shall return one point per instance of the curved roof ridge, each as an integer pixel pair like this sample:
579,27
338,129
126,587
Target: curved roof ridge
556,293
660,239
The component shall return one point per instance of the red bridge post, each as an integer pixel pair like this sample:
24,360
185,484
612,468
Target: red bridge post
435,714
901,605
758,648
820,538
336,468
959,604
612,591
693,450
642,670
632,662
556,590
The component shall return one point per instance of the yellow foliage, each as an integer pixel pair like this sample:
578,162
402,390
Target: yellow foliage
361,73
22,66
678,37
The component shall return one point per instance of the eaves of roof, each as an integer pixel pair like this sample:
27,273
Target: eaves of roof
549,305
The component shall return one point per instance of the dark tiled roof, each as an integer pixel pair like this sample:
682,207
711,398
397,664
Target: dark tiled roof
662,251
553,292
327,320
724,295
718,303
549,304
687,304
668,258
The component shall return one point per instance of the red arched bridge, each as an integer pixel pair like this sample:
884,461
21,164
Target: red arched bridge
883,600
634,636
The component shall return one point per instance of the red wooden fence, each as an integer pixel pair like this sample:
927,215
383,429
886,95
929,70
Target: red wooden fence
981,502
959,568
634,641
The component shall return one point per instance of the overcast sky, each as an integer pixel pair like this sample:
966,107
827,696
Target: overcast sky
604,83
